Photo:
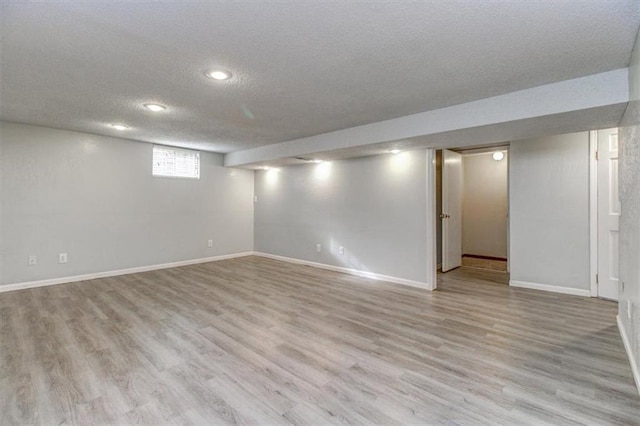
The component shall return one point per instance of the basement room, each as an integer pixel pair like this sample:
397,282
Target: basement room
318,213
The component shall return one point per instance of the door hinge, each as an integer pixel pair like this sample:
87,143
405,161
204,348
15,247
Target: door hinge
597,279
597,155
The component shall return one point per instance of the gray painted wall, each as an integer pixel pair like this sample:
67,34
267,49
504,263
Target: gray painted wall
94,198
374,206
485,204
549,210
1,207
629,138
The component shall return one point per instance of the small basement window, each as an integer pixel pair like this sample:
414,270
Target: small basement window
174,162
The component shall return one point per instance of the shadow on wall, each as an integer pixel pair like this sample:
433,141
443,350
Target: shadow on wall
344,258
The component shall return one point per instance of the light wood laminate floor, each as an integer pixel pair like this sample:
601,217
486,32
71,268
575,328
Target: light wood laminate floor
258,341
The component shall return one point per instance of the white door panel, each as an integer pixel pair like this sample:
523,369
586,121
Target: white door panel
608,214
451,210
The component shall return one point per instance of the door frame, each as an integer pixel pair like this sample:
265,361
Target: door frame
593,213
432,217
431,261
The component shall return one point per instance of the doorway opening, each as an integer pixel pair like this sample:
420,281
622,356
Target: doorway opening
472,204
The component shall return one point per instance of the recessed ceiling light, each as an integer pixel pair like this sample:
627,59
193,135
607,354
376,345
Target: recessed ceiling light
318,161
119,126
498,155
219,75
155,107
394,151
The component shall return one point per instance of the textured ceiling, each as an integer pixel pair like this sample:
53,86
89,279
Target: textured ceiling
300,68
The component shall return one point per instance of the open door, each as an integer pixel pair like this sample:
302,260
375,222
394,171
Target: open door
451,210
608,214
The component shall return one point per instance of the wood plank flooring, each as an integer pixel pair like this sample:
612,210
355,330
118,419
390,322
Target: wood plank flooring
257,341
492,264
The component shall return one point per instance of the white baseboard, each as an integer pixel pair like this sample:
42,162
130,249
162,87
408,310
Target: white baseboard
105,274
627,346
551,288
356,272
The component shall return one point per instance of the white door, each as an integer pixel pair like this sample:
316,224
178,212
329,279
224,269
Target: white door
451,210
608,213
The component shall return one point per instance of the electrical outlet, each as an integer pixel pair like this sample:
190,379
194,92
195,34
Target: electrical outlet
32,260
341,250
62,258
210,243
255,198
318,248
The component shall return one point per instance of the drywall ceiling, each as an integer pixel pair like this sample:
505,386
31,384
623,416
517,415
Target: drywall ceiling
300,68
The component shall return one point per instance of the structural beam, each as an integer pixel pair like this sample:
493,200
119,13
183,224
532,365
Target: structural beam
565,100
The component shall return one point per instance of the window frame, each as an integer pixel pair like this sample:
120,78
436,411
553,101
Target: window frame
155,172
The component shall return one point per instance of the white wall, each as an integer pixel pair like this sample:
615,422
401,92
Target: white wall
629,138
549,211
484,205
94,198
374,206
